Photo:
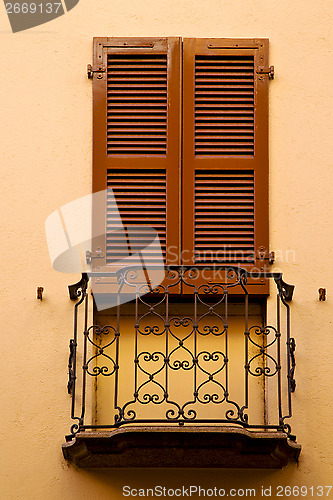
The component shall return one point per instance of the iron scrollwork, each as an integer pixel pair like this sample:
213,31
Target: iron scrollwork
76,290
263,354
292,349
71,377
111,366
195,347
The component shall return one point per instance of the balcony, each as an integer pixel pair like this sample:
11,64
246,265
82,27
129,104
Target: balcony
192,380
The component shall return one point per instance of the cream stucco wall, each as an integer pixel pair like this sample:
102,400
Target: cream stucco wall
46,162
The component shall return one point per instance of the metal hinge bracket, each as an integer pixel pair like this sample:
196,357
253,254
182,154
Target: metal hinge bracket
99,70
270,72
94,255
262,255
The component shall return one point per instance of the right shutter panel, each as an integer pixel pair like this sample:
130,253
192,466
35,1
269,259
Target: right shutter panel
224,214
225,153
224,105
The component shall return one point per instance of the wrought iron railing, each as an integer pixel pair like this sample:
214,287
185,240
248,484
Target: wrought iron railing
173,359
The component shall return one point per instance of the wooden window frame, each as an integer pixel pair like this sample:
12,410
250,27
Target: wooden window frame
180,161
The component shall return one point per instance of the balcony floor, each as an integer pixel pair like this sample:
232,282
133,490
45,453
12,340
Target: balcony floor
185,446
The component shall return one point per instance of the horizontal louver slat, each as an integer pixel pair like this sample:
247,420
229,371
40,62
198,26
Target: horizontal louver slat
224,216
137,104
224,98
140,197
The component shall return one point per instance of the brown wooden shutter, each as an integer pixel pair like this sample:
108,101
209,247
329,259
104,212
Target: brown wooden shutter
136,129
225,153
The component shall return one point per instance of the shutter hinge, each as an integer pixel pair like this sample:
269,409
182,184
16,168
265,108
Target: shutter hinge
270,72
262,255
99,70
94,255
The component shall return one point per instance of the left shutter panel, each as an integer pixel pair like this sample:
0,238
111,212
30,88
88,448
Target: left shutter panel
136,141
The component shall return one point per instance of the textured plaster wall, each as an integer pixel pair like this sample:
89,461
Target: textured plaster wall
46,162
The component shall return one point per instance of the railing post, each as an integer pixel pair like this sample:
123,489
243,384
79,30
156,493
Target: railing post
76,291
278,335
